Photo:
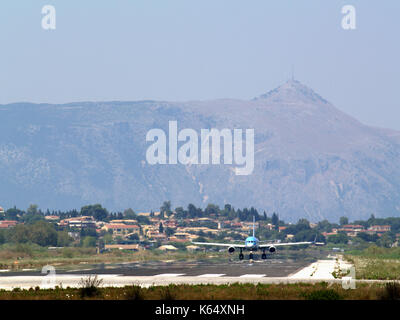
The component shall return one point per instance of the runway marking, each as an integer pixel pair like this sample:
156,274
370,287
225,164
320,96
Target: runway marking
211,275
73,276
169,275
4,270
252,276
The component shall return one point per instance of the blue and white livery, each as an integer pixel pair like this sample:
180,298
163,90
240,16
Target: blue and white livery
252,244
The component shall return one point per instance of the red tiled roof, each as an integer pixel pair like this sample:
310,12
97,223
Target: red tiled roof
6,224
353,226
121,226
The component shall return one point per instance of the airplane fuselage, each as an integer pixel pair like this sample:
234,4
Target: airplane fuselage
251,243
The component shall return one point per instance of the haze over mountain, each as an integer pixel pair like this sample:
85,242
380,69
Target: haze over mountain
311,160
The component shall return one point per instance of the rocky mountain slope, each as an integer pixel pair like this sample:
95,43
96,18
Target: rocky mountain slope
311,160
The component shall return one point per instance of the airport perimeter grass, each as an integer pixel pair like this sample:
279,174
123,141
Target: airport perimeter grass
23,256
299,291
376,263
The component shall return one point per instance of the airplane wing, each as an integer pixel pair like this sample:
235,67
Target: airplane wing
280,244
234,245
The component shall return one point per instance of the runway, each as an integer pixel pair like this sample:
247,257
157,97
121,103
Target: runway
165,273
270,268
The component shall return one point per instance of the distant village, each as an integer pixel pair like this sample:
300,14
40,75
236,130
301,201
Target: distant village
167,229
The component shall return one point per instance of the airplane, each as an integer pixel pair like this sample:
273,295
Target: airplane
252,244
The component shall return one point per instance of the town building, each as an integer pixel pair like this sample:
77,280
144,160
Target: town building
119,229
380,229
148,214
5,224
79,222
167,247
52,218
131,247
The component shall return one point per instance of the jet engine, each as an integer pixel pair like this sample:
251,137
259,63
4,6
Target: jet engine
272,249
231,249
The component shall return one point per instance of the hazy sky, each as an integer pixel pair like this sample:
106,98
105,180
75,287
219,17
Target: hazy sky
202,49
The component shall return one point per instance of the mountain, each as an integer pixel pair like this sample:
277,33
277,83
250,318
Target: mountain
311,160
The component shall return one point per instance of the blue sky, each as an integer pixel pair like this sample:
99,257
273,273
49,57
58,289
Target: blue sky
188,50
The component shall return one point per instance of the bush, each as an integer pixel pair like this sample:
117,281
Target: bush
323,294
391,291
24,248
90,287
88,242
68,253
166,293
134,293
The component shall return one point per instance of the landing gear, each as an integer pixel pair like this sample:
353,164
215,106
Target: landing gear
264,255
241,256
251,257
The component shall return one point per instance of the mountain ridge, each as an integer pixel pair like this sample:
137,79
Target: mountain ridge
311,159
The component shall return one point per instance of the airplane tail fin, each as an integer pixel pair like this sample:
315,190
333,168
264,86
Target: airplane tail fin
254,226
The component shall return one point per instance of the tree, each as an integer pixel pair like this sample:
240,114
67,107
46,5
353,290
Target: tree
63,239
343,221
324,226
129,214
275,220
341,237
194,212
143,219
19,234
88,242
161,228
180,213
43,234
13,214
227,208
2,237
96,211
368,237
108,238
33,209
166,208
309,235
385,240
169,231
372,220
211,209
32,214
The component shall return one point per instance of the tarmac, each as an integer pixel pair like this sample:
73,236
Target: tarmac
270,271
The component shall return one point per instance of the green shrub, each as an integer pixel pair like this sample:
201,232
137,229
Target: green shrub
90,287
323,294
134,293
391,291
166,293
